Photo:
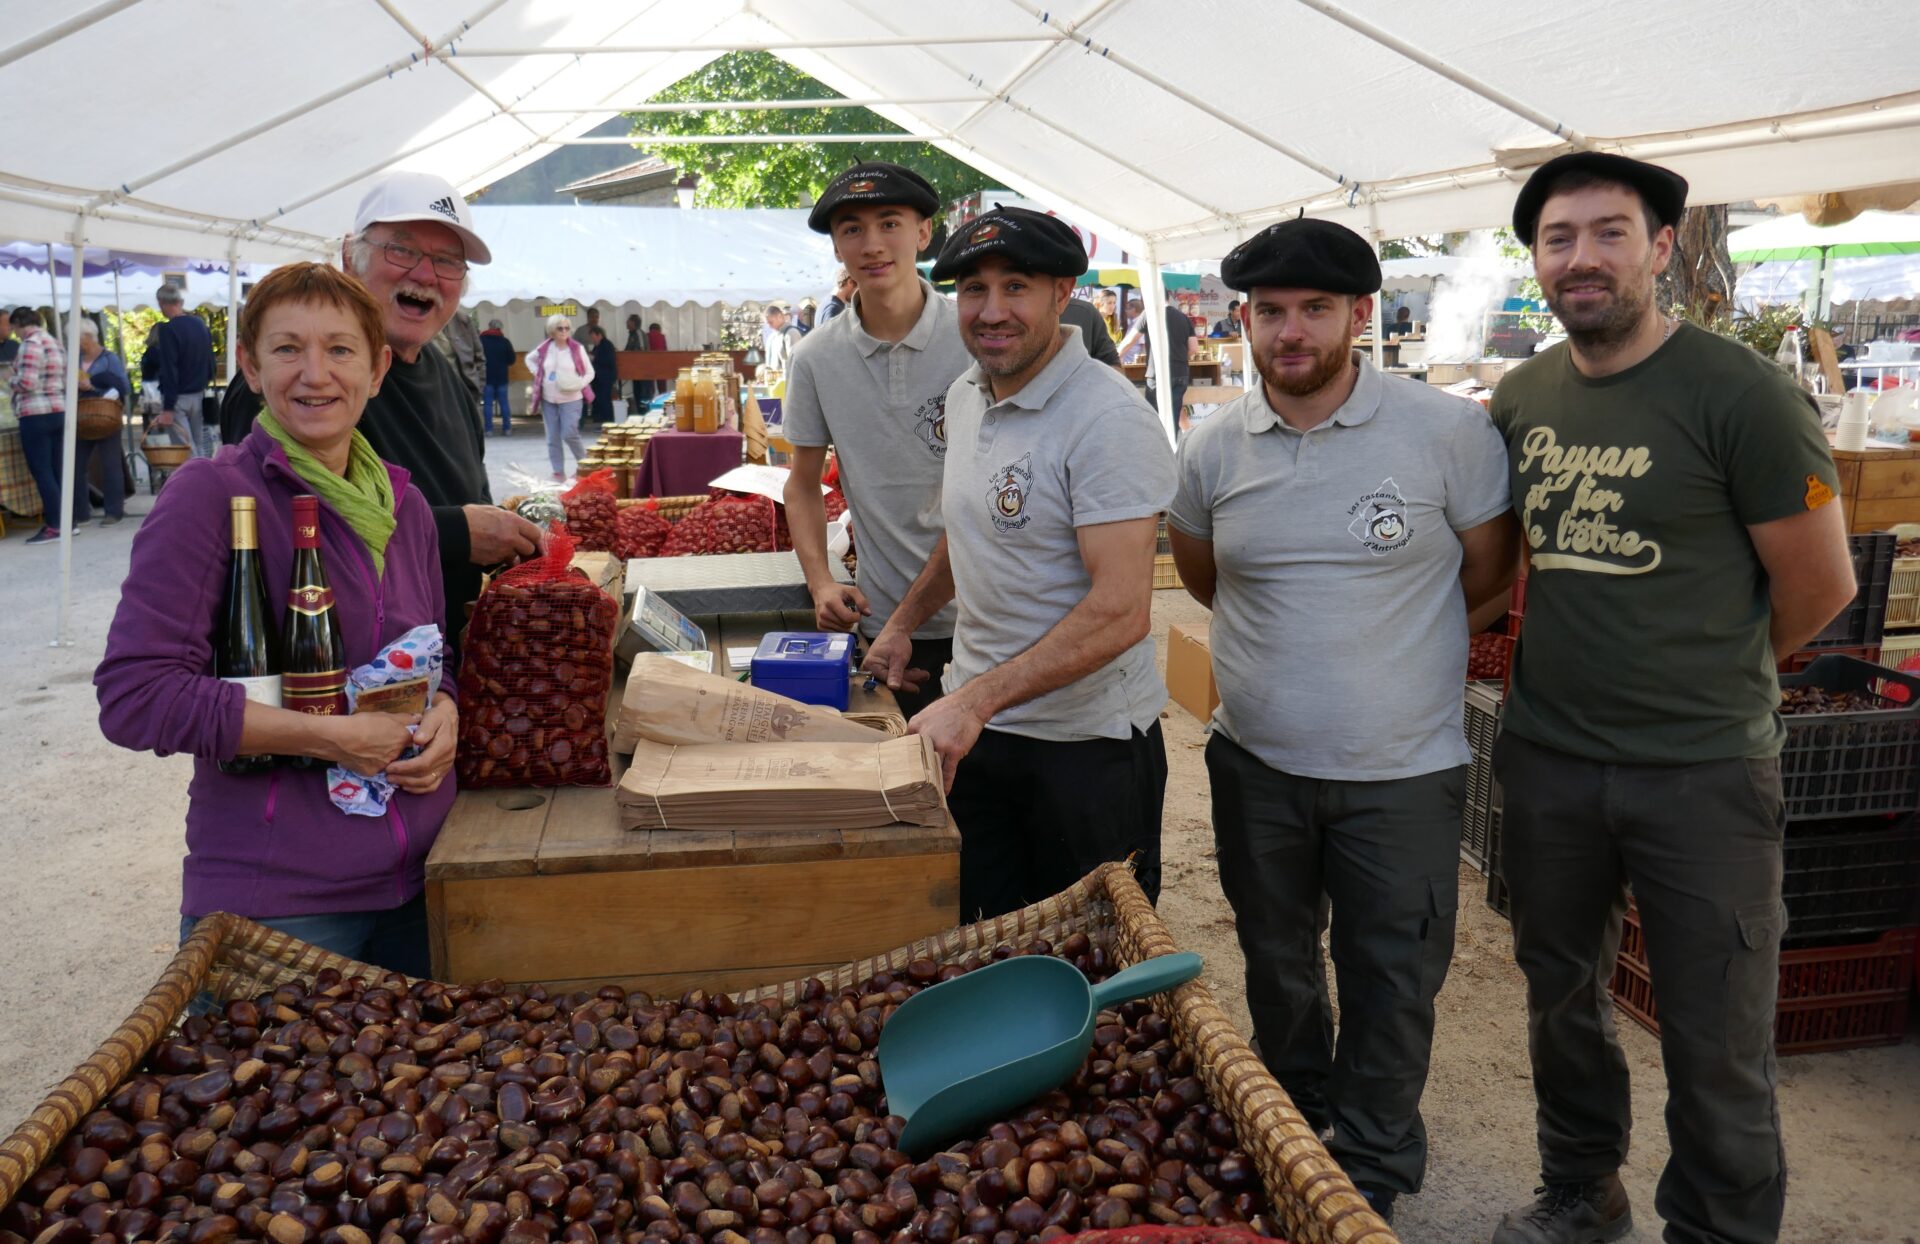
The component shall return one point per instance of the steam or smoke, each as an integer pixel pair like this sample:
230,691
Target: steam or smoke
1457,315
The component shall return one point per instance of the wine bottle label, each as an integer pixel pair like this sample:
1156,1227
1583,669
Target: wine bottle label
264,689
324,695
310,600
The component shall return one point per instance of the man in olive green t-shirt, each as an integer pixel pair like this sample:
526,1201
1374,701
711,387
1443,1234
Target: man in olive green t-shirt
1675,494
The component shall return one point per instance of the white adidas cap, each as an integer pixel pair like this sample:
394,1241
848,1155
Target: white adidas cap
421,196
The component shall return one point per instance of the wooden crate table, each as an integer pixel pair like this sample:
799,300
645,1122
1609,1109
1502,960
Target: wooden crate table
543,885
1879,486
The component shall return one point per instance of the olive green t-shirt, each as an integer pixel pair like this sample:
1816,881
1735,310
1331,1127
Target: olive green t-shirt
1646,631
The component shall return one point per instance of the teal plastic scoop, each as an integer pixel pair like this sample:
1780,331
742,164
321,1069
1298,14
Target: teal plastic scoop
973,1049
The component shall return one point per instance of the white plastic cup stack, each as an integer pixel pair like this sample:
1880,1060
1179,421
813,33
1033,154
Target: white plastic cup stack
1851,434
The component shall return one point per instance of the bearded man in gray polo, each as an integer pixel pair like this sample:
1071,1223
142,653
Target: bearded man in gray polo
1340,523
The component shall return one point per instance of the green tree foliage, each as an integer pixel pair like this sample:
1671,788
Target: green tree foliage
753,174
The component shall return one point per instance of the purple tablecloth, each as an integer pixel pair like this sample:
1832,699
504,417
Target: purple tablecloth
679,464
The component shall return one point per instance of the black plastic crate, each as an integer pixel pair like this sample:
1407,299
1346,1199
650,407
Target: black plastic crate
1864,622
1853,764
1851,879
1498,897
1480,810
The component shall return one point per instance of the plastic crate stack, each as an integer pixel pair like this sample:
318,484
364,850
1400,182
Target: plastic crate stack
1901,640
1852,868
1860,630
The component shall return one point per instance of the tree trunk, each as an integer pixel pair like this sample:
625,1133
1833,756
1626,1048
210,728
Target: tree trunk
1698,282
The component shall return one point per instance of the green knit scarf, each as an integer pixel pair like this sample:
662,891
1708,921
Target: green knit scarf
363,496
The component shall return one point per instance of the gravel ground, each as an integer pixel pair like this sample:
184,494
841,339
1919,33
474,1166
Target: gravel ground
90,888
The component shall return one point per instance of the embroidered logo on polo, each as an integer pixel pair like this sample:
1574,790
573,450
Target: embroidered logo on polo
1007,494
930,421
1380,519
445,207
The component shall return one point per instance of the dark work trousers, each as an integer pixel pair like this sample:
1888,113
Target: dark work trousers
1385,856
1701,846
1035,816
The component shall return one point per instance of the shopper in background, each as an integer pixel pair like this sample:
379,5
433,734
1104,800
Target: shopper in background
1182,341
606,365
637,340
40,403
499,355
1081,314
1678,501
185,369
656,339
1227,327
102,375
842,295
562,376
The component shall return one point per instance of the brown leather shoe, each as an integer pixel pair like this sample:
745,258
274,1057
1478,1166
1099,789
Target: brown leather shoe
1585,1213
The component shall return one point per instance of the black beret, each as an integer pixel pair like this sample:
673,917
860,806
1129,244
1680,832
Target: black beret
1664,190
1303,254
1029,240
876,181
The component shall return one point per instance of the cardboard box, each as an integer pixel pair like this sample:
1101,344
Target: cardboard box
1190,670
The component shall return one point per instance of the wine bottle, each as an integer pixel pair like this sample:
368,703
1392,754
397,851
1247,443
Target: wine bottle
247,653
313,663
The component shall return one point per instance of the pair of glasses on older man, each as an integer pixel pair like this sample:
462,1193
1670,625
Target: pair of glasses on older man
406,258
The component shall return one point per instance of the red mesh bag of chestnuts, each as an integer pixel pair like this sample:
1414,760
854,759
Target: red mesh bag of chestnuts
535,676
726,523
640,531
592,512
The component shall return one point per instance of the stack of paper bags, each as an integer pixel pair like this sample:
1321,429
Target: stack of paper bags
667,701
731,786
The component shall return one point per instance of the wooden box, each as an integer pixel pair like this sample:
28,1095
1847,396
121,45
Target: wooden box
1879,487
544,885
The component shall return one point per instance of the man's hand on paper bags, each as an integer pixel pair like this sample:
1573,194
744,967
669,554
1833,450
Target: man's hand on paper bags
954,725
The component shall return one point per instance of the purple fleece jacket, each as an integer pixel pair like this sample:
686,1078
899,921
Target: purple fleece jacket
269,844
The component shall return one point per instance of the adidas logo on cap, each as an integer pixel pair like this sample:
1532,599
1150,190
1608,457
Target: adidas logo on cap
445,207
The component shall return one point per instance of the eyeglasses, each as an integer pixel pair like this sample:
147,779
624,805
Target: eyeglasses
407,259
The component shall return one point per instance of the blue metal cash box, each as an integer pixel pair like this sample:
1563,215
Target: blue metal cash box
809,666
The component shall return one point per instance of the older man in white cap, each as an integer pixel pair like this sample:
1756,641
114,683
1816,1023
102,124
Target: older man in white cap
412,241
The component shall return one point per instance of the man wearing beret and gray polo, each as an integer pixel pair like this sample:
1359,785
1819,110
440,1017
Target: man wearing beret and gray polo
873,384
1049,733
1340,523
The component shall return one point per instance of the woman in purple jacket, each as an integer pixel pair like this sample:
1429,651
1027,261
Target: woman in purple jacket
272,846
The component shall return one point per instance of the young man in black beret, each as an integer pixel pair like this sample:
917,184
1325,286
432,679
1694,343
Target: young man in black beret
872,383
1676,497
1049,734
1340,523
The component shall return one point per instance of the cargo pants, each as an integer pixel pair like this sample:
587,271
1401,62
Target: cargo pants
1384,856
1701,846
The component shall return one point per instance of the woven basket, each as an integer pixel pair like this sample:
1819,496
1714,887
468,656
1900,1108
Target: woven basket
97,418
163,457
231,957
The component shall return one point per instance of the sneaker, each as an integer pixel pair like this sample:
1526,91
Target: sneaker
1381,1199
1584,1213
46,535
111,519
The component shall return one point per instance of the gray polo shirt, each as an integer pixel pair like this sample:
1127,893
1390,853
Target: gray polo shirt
882,406
1339,629
1076,447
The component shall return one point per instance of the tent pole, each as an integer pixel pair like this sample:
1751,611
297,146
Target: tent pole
69,433
1373,233
1159,347
53,292
233,299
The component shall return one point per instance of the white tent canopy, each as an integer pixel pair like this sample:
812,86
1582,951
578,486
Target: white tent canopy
1154,124
649,254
